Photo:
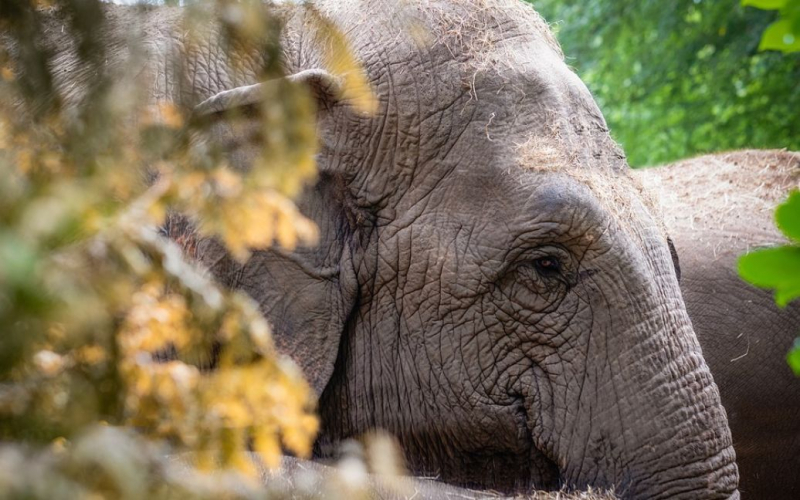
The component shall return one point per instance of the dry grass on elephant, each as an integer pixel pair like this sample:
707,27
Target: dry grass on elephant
480,29
349,476
725,194
581,495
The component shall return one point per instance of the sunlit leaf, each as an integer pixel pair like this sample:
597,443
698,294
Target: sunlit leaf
793,357
780,36
787,216
765,4
774,268
340,61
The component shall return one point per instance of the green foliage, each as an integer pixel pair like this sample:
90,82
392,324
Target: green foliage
780,36
783,34
793,358
774,268
765,4
681,78
779,268
787,216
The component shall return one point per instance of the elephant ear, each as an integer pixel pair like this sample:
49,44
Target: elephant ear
231,117
306,294
324,86
675,260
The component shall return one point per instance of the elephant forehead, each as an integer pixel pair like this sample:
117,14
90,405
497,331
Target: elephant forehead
439,66
589,157
459,37
466,26
482,30
564,204
474,228
508,211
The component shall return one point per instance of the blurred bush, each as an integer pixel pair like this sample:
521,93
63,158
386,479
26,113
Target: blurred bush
115,348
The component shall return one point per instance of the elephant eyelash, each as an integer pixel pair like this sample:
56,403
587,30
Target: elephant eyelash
673,252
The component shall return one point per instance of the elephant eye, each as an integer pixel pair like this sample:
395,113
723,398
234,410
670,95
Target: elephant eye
548,266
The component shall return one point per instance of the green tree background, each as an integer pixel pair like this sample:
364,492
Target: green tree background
685,77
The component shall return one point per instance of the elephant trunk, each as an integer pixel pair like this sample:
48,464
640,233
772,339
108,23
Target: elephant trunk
674,440
643,416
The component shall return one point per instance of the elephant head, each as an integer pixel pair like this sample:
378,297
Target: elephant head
490,285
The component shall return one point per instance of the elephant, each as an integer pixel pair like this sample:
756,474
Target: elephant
716,208
491,285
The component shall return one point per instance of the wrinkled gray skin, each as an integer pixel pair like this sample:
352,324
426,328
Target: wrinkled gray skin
490,285
717,207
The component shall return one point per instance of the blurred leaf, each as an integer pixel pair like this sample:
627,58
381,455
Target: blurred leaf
765,4
775,268
339,59
779,36
787,216
779,268
793,357
18,260
784,34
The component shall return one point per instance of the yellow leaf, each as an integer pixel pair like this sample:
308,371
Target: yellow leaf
163,113
48,362
287,236
24,161
228,183
91,354
267,447
7,73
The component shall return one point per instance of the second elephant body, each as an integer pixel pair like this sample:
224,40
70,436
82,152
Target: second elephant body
716,208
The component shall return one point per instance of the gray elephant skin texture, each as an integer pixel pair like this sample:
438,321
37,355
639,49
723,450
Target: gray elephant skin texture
491,285
716,208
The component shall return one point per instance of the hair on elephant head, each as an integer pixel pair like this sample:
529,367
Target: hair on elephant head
490,285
